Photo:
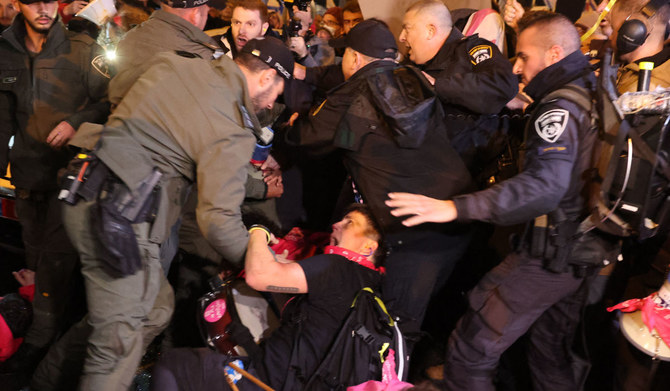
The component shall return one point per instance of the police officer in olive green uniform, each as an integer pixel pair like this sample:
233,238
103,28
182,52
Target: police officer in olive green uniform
177,26
184,118
51,81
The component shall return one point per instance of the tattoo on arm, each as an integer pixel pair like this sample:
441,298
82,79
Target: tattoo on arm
282,289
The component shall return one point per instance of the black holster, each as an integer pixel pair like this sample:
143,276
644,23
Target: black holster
552,240
564,244
118,208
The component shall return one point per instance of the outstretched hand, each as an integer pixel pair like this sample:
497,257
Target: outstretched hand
422,209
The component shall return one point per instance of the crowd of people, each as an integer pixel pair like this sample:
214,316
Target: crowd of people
446,160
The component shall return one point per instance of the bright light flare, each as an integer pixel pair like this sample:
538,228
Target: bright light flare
111,54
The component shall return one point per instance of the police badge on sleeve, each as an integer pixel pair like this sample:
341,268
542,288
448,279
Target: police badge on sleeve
101,64
480,53
551,124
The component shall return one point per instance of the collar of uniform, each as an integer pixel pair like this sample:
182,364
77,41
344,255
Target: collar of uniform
187,28
15,34
557,75
446,52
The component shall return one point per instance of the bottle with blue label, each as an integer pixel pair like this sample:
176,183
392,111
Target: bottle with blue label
263,146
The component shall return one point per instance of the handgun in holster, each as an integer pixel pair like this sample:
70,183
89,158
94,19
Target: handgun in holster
136,207
551,240
118,209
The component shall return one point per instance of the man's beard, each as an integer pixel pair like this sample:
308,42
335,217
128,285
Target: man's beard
38,28
260,98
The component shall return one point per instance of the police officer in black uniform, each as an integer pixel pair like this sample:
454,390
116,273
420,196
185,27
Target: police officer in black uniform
472,78
531,288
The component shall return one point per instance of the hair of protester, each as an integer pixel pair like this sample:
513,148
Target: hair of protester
552,29
352,6
373,230
252,63
434,12
335,12
254,5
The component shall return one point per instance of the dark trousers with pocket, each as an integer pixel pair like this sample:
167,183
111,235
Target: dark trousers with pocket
516,297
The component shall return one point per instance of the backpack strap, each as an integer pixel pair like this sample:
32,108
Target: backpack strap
574,93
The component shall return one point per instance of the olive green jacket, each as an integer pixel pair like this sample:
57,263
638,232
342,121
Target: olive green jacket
163,32
191,118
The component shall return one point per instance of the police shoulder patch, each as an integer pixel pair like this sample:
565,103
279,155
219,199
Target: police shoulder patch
551,124
480,53
100,64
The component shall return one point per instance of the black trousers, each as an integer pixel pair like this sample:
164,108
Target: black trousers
516,297
53,258
416,268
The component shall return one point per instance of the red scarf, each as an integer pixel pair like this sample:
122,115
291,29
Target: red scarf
354,257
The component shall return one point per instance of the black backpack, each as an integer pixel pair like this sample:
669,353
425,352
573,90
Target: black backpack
629,182
357,353
630,195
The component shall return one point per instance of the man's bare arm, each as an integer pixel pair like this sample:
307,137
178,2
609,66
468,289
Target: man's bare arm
264,273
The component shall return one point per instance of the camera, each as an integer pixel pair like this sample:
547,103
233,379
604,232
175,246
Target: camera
294,27
302,4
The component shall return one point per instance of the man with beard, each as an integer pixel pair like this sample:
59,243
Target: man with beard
249,21
184,118
53,80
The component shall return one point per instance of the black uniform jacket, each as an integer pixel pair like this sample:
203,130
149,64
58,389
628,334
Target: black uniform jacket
387,122
558,147
474,81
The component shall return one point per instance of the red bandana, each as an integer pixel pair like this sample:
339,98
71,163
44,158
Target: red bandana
354,257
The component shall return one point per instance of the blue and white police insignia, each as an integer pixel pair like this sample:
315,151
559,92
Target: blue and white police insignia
551,124
480,53
101,65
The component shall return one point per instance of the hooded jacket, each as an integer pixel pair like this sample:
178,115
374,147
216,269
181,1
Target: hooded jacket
66,81
388,124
